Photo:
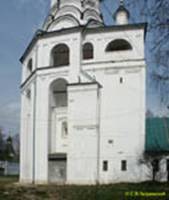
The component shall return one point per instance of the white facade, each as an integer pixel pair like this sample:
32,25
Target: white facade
83,122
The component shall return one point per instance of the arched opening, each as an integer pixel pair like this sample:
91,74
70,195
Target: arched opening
58,131
58,113
60,55
118,45
87,51
59,93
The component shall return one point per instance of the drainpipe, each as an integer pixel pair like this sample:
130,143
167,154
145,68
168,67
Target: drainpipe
34,121
98,135
34,132
91,79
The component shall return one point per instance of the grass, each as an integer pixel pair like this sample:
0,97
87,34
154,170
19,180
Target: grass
6,180
11,191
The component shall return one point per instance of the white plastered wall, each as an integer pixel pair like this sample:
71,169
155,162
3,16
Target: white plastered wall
83,134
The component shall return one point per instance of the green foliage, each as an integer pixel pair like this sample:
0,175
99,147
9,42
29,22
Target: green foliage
2,144
6,148
9,152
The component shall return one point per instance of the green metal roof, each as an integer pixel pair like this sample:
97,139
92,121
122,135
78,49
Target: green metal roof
157,135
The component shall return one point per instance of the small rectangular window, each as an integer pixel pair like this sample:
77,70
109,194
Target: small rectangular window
105,165
123,165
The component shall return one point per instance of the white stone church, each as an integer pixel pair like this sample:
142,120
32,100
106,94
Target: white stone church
83,97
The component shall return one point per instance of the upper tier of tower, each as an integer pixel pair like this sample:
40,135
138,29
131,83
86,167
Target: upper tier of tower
73,13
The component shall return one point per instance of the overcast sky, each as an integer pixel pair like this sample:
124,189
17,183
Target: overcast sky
19,19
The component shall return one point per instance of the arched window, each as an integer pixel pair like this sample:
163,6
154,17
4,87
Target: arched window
60,55
87,51
29,66
118,45
59,93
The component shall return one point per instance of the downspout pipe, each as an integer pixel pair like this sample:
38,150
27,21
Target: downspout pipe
34,133
98,134
91,79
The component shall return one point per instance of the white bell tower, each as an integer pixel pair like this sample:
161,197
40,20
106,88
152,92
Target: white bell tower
83,98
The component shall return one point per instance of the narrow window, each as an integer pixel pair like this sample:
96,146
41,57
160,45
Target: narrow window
87,51
123,165
155,165
121,80
82,16
64,129
58,4
167,170
105,165
60,55
28,94
29,67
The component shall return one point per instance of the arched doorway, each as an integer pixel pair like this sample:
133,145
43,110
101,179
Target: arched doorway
58,131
